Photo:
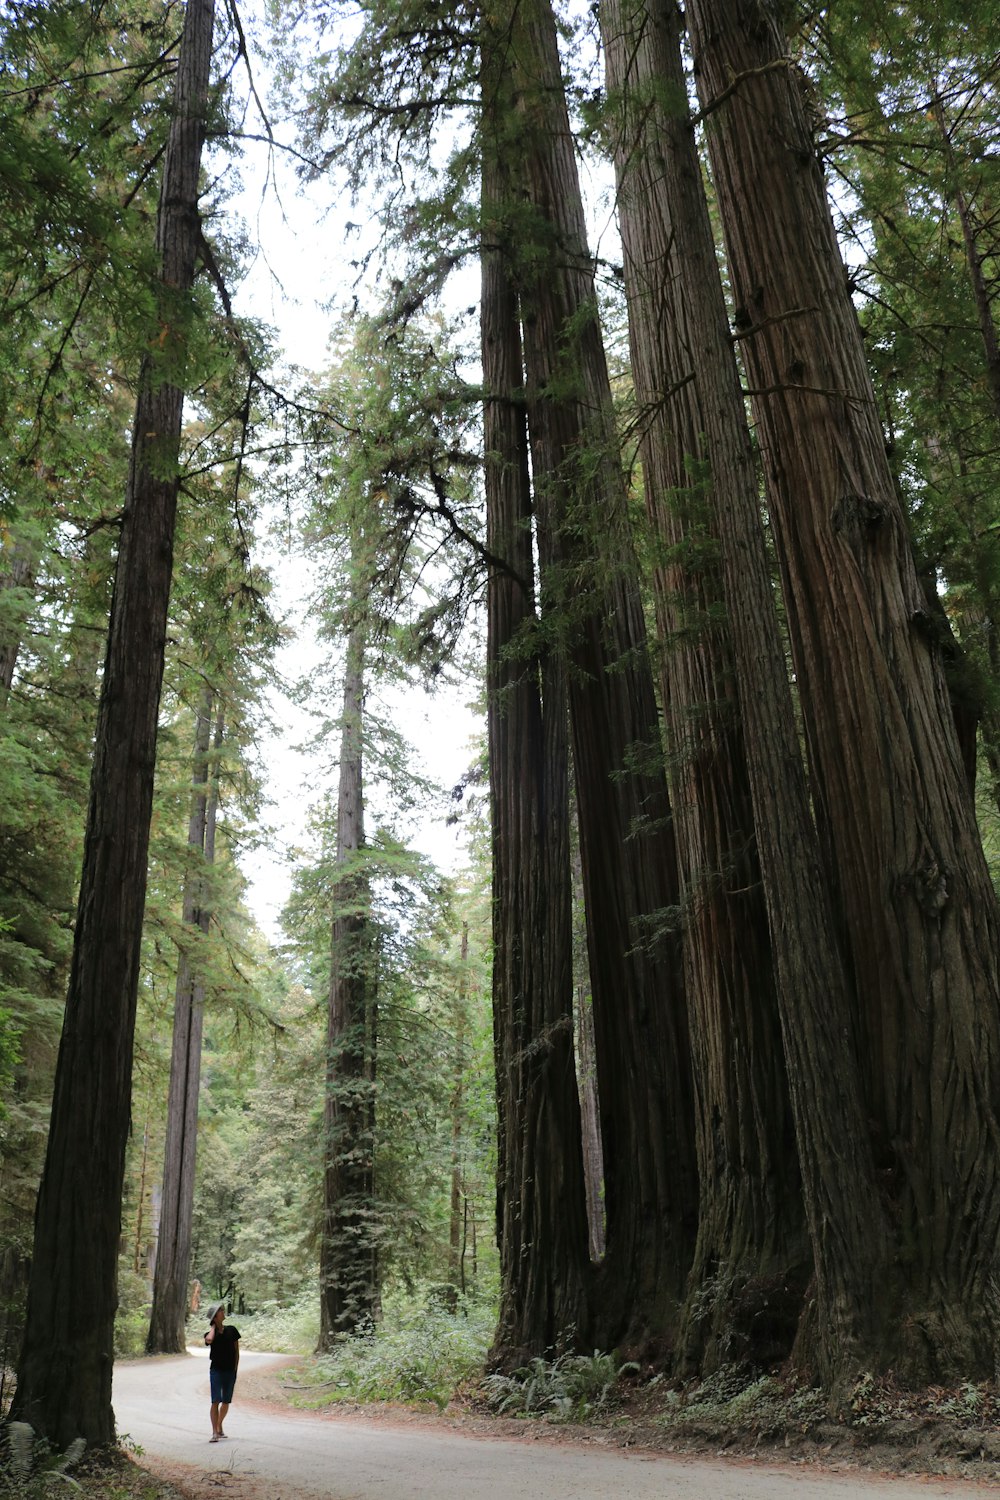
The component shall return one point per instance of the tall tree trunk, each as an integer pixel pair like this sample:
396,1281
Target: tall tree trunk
919,913
541,1215
168,1315
348,1253
590,597
64,1374
753,1257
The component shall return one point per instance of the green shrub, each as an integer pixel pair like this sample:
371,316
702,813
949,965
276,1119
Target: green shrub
29,1464
132,1317
278,1330
419,1353
735,1399
570,1388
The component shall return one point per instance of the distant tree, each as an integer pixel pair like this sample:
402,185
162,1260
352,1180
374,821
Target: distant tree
168,1315
348,1245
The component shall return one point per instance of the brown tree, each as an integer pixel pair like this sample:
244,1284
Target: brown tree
903,852
541,1218
591,608
753,1257
64,1373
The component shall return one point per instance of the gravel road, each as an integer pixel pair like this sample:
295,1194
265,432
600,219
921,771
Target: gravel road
162,1405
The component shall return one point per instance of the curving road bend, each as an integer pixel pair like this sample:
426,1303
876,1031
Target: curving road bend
162,1405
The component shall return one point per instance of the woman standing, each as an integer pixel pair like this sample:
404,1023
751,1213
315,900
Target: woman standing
224,1357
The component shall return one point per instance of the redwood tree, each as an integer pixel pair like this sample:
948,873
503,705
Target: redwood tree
592,610
903,852
541,1215
64,1373
753,1258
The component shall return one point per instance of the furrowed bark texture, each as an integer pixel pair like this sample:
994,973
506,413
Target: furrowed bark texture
168,1315
918,910
64,1374
752,1259
541,1215
348,1257
591,598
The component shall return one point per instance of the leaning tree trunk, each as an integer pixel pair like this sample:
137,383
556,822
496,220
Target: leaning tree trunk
591,603
168,1315
64,1374
752,1259
348,1253
541,1214
919,912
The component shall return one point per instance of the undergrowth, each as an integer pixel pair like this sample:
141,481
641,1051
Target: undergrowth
570,1388
277,1330
419,1354
737,1401
30,1469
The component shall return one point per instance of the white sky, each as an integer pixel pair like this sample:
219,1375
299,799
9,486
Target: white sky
303,265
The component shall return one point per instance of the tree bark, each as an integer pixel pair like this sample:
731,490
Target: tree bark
591,601
919,914
168,1315
64,1374
541,1216
752,1259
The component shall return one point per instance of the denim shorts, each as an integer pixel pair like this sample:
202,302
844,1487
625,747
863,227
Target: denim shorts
222,1383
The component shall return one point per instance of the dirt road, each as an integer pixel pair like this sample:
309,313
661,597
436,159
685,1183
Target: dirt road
162,1405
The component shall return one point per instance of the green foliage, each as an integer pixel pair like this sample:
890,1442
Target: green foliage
132,1317
737,1400
910,127
569,1388
290,1327
420,1354
92,1476
274,1240
29,1465
420,979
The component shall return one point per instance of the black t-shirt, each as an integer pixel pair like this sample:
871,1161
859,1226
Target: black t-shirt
222,1349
